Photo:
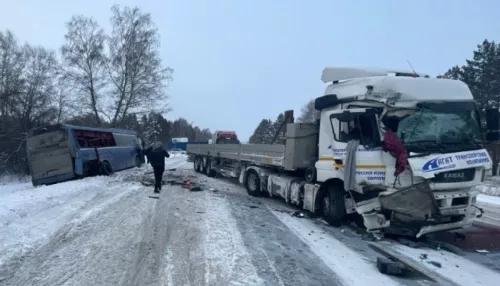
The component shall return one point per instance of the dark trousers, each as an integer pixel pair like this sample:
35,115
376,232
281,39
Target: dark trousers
158,170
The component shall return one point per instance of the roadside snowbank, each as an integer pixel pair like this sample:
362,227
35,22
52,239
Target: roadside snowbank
491,186
29,215
491,200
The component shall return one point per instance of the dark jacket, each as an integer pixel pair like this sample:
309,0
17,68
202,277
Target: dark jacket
156,157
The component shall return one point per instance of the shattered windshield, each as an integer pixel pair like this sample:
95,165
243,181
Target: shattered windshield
428,130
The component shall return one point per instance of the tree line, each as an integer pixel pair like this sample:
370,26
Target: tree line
481,73
96,79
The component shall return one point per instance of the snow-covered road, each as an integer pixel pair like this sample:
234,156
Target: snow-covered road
107,231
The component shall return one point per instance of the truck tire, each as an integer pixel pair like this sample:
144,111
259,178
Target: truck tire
197,164
252,183
202,165
208,169
334,204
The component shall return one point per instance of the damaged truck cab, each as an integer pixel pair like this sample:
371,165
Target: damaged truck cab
404,151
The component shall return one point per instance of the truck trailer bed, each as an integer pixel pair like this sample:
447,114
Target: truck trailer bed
262,154
299,152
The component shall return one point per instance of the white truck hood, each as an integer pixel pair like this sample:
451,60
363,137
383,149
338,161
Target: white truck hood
430,165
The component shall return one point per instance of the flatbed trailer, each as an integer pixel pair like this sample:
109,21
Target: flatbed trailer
299,152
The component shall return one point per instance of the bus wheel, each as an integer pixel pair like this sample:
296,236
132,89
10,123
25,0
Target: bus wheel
253,183
333,205
106,168
138,162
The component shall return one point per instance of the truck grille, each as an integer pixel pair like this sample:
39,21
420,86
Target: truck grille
465,175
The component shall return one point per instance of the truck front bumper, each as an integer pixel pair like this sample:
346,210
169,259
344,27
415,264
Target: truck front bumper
466,222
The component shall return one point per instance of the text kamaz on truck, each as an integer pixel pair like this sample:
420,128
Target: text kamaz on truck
398,149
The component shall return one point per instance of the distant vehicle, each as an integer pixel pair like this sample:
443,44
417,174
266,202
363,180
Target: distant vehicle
224,137
61,152
180,140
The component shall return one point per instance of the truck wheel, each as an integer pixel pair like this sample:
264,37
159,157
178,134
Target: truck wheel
334,204
310,174
202,165
208,169
197,164
253,183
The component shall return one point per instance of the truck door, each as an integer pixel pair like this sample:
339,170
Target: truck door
359,124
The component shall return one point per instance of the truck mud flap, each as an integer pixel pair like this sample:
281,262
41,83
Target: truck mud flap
415,202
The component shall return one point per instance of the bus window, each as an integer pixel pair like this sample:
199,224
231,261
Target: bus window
125,140
94,139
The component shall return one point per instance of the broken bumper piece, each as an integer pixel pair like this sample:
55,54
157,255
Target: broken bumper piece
415,211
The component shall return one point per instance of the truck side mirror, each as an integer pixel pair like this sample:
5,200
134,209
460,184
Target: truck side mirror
492,124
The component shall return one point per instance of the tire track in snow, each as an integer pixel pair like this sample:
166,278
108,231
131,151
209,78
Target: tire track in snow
224,247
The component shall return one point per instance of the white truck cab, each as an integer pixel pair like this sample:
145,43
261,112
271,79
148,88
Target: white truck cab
437,122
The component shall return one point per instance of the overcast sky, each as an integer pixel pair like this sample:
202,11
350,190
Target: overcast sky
238,61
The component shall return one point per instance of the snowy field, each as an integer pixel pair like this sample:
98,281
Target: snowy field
107,231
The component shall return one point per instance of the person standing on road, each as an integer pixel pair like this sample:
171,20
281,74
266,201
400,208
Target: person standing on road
156,157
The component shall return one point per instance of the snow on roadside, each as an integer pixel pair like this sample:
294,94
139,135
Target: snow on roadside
343,261
491,200
491,186
13,179
455,268
31,217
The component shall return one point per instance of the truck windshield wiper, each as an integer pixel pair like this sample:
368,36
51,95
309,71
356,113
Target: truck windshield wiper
465,141
440,145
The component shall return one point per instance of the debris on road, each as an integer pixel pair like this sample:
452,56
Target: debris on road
409,243
445,246
149,182
299,214
483,251
391,266
195,189
437,264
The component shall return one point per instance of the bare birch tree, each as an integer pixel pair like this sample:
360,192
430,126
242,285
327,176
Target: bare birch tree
84,61
136,71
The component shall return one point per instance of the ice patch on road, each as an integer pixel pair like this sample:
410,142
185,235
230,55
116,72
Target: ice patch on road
351,268
226,255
